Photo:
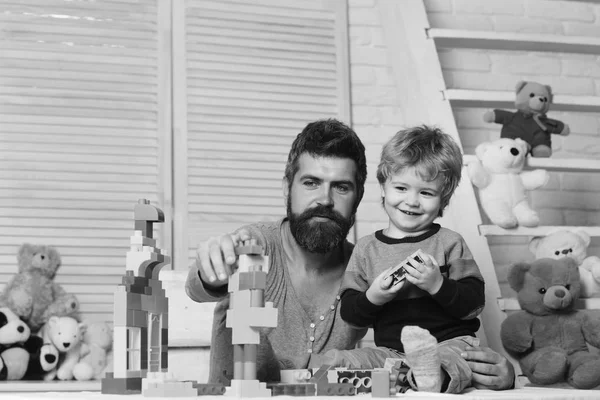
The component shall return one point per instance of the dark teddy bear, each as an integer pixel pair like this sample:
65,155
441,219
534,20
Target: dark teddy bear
548,336
529,122
32,294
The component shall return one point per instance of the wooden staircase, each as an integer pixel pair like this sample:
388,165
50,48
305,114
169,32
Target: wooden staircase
420,58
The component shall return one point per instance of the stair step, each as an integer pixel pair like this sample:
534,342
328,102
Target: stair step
553,164
494,230
512,304
506,99
460,38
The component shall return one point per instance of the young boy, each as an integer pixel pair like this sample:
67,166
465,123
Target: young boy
429,316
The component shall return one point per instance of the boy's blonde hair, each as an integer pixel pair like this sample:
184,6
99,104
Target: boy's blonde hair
430,151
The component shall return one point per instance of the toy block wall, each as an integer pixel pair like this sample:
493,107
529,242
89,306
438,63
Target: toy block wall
569,198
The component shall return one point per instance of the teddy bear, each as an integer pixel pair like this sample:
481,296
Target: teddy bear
22,354
548,336
565,243
32,293
66,334
529,122
97,341
498,174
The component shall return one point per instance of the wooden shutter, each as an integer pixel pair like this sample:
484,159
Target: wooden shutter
248,77
83,121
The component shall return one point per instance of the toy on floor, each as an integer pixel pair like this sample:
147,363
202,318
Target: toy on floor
549,337
32,293
564,243
97,342
66,334
529,122
502,183
141,321
247,313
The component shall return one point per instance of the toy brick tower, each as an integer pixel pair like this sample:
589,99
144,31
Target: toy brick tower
140,309
247,312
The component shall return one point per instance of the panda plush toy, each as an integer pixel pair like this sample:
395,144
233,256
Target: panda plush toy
22,355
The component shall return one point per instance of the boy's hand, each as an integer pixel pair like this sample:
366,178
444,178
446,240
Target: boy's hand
381,290
426,276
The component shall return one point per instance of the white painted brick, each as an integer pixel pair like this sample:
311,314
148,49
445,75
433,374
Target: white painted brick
564,85
371,95
365,115
363,16
472,137
438,6
390,115
384,76
508,254
368,56
524,63
470,60
553,183
580,123
511,7
482,80
362,75
366,36
560,10
361,3
587,65
376,135
582,29
471,118
582,145
526,25
582,218
551,216
587,183
441,20
546,199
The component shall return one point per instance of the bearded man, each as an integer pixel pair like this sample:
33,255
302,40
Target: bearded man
308,254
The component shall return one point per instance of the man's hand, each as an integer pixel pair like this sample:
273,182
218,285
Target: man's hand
426,276
490,369
216,257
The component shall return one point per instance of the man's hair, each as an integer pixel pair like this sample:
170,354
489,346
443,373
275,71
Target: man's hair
430,151
329,138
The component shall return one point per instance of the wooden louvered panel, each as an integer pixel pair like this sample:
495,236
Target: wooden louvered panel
253,74
81,115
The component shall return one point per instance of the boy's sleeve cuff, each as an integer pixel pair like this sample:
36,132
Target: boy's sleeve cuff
446,293
364,304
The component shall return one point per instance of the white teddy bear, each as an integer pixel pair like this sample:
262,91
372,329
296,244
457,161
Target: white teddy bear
565,243
498,174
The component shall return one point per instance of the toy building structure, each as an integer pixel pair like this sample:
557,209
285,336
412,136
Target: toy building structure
247,312
141,320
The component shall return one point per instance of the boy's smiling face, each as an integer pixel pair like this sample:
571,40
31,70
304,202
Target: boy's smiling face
411,203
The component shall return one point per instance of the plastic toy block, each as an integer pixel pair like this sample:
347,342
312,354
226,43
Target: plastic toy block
143,211
140,319
295,375
335,389
164,337
139,240
208,389
111,385
124,299
249,247
320,376
398,273
380,384
293,389
252,280
250,262
248,388
360,379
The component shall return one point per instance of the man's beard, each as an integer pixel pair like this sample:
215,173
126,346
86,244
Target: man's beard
319,236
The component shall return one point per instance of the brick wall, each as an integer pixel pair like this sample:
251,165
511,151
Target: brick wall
569,198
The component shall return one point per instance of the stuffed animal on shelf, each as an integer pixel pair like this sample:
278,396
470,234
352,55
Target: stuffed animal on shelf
13,357
564,243
548,336
502,183
66,334
529,122
32,293
97,341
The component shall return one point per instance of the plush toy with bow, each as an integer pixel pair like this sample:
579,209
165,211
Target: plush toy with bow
529,122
